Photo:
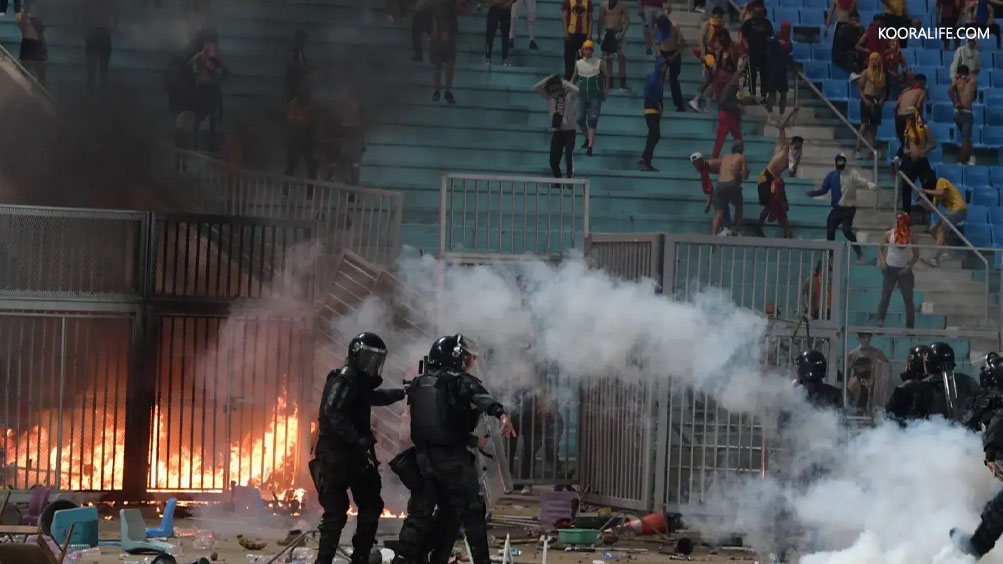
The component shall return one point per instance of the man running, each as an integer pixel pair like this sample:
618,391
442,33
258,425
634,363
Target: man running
732,170
772,195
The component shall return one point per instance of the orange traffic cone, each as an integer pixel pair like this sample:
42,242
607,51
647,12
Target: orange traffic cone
650,524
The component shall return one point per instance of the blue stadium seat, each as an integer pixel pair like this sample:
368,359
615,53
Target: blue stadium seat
985,60
853,112
997,61
816,71
980,235
944,133
821,52
839,73
975,176
995,78
886,132
980,113
995,215
835,90
909,55
929,71
927,58
785,15
977,215
888,112
816,4
868,6
944,78
916,7
989,197
936,156
942,112
937,94
993,98
992,137
866,16
812,18
791,3
802,51
950,172
987,43
996,175
930,43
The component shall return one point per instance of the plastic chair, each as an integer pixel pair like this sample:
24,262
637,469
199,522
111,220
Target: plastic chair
134,534
839,73
886,133
835,90
802,51
981,235
790,3
84,523
853,113
927,58
992,137
39,499
996,215
943,133
937,94
816,71
166,528
950,172
786,15
994,114
942,112
977,215
989,197
821,52
996,175
811,18
917,8
975,176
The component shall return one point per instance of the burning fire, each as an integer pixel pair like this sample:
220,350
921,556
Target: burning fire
387,514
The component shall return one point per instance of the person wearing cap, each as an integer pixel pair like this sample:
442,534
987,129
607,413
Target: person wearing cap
591,80
842,185
703,166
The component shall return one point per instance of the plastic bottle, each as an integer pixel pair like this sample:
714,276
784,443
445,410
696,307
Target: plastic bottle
255,558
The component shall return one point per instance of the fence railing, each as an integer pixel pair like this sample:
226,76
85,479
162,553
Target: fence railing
511,215
34,85
366,221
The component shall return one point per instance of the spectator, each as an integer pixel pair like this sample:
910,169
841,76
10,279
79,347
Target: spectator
772,194
729,115
101,16
868,379
873,90
210,72
577,21
962,93
976,13
778,62
649,11
561,95
420,26
34,52
811,293
591,81
910,99
703,166
914,163
968,55
871,41
530,6
3,7
670,45
616,20
844,44
442,46
842,185
732,170
895,16
896,260
725,62
749,9
296,67
949,11
755,33
842,9
499,16
709,45
895,66
946,196
301,119
654,92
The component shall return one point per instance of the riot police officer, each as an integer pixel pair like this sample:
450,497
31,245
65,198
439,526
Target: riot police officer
991,526
955,388
345,457
989,399
812,368
446,402
913,398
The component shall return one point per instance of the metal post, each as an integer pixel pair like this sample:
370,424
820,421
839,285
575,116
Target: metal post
62,389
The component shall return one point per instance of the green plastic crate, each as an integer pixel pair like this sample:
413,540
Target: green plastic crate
578,536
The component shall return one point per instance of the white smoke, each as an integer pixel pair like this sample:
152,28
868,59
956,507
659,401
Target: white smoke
875,495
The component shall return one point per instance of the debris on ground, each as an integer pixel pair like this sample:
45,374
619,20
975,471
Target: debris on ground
251,544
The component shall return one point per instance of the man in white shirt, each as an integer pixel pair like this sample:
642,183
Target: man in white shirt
968,55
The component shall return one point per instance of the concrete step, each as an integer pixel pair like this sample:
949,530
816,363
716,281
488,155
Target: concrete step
816,132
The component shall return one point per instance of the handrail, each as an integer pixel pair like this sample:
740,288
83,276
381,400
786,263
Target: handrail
900,176
801,75
5,54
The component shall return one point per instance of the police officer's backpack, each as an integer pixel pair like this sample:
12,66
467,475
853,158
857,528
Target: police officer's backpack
431,409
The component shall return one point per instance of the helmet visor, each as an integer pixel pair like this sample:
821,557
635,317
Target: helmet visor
370,361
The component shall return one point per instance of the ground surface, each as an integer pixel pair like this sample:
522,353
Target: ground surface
273,528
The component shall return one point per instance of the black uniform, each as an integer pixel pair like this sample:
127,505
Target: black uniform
823,395
445,406
346,459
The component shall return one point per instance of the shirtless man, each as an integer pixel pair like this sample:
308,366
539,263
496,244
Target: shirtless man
914,164
842,9
872,98
709,45
772,196
615,19
911,98
732,169
962,92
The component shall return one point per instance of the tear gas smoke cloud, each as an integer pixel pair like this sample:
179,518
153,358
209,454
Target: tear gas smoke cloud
878,495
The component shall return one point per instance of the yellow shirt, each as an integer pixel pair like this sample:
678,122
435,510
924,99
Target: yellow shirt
952,199
895,7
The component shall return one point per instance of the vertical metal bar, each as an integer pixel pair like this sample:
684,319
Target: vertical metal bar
62,389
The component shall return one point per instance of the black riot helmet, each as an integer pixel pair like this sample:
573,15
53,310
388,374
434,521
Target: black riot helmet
366,354
916,362
941,357
991,375
450,352
812,366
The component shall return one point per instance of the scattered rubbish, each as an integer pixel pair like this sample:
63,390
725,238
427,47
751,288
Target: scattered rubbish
251,544
679,557
185,532
650,524
610,538
175,549
386,555
612,556
254,558
290,537
684,546
204,540
604,511
578,536
515,552
213,556
303,553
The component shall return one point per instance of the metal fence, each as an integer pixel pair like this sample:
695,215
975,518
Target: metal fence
95,254
629,256
366,221
546,417
63,410
512,215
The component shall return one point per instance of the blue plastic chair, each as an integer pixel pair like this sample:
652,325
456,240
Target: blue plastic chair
931,44
985,59
816,4
942,112
994,114
943,133
981,235
997,61
84,521
816,71
977,215
975,176
839,73
134,534
996,175
996,215
992,137
886,133
853,113
835,90
821,52
993,98
785,15
979,111
953,173
790,3
927,58
944,78
986,196
166,528
802,51
937,94
916,8
811,18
